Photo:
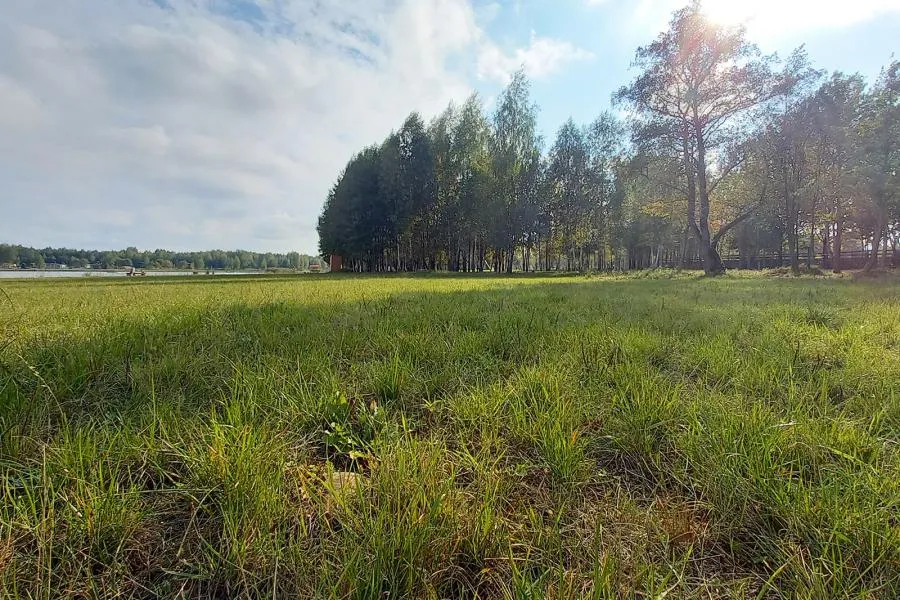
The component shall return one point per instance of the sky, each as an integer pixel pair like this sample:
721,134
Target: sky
201,124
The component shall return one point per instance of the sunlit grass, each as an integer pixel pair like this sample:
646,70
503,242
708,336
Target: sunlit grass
510,437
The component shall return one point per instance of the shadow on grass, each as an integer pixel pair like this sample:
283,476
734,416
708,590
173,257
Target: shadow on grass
505,324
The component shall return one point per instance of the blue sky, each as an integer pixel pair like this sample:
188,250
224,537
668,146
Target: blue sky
194,124
838,35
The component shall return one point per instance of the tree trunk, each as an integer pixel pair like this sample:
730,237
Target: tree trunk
682,260
790,206
812,237
794,243
691,171
712,262
876,245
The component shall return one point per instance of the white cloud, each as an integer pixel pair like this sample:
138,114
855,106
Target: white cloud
541,57
210,124
201,123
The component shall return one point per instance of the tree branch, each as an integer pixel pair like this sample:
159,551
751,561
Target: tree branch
719,234
740,218
726,172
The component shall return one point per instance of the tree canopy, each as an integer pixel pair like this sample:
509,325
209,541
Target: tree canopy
725,150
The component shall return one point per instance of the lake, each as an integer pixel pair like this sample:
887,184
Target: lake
34,274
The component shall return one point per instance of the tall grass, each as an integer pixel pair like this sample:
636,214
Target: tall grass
450,437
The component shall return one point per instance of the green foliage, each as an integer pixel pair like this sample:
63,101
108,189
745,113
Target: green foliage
352,428
736,159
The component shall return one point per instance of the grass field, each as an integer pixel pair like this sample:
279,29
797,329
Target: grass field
518,437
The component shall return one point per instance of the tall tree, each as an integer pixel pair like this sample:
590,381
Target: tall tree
879,156
605,151
444,221
470,143
513,145
700,83
836,105
417,190
568,174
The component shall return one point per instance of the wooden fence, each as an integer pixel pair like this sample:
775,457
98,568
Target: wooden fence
849,260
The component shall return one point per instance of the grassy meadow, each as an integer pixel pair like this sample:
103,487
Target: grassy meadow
450,437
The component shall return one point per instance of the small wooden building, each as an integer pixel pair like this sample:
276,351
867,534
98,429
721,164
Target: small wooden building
335,262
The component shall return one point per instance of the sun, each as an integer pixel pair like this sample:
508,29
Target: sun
775,18
763,19
733,12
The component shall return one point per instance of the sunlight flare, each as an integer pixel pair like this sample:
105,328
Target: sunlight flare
772,17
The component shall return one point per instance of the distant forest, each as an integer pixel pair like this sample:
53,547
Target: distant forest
724,154
23,257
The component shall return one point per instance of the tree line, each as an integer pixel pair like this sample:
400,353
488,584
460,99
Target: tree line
723,150
25,257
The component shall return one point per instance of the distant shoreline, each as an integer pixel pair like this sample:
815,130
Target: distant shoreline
6,273
122,270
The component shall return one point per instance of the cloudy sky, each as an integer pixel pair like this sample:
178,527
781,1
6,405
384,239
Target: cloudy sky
197,124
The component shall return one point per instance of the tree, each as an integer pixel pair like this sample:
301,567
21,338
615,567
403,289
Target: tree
513,146
605,150
836,109
9,255
470,140
700,85
354,222
417,191
445,214
784,146
569,202
878,162
731,151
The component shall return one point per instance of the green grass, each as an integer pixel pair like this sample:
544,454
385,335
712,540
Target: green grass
511,437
